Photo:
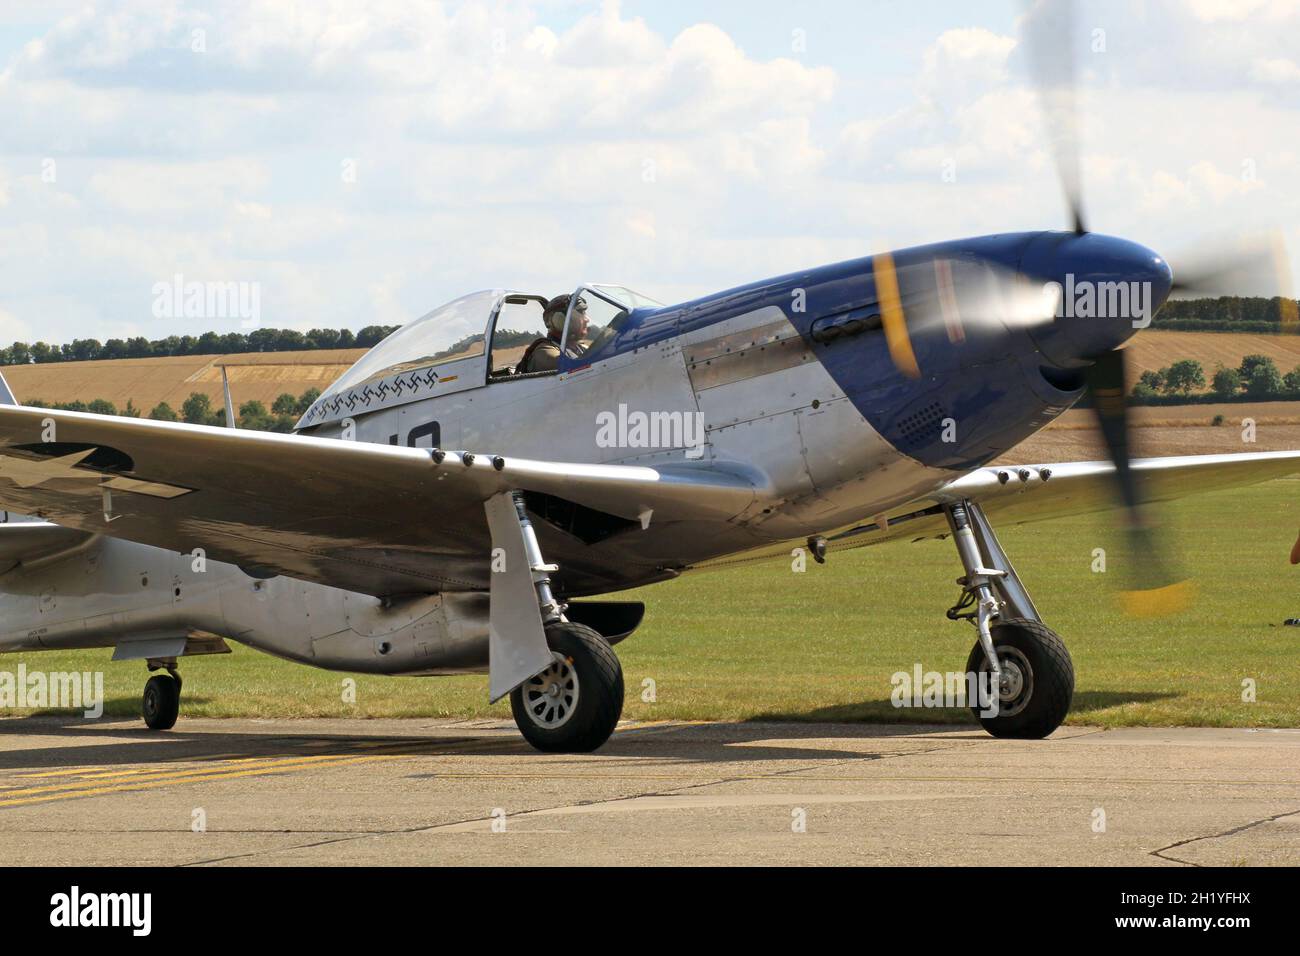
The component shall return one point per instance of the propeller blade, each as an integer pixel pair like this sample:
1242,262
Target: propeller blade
1048,35
1106,382
1242,265
1155,589
892,317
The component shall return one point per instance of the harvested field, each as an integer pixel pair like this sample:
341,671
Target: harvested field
253,375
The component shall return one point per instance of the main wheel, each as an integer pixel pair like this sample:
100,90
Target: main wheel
162,702
573,705
1037,679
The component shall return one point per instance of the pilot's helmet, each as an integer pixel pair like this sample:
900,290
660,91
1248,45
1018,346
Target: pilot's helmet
558,308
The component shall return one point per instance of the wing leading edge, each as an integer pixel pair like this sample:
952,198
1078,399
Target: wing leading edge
1019,494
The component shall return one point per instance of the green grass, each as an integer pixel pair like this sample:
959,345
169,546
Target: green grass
766,642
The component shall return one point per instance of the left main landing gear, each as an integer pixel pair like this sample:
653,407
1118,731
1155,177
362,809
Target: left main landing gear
567,695
1020,660
574,705
161,703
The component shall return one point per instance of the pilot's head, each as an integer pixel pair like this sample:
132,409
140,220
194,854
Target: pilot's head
555,312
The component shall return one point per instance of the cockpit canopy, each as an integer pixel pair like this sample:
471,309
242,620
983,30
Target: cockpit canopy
457,330
447,350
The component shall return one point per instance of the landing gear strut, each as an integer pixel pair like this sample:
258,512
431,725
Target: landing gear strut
162,696
1027,666
568,696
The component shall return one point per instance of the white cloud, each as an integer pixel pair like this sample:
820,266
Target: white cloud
964,59
1278,70
1239,11
492,146
157,189
967,117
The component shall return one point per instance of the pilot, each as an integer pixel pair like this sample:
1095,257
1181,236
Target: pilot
544,354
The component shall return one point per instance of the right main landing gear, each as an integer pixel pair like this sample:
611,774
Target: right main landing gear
162,699
1037,679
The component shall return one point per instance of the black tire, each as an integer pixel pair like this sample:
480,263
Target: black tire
1043,703
585,662
162,702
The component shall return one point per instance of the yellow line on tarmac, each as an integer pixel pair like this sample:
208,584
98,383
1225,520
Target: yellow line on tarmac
153,783
164,774
94,780
141,778
99,774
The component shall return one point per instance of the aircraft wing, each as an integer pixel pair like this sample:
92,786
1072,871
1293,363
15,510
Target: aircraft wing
378,519
1019,494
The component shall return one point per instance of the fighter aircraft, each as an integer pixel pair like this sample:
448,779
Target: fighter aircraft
442,509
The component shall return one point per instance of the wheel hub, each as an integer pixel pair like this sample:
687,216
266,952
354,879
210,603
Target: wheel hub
1016,685
1012,682
551,697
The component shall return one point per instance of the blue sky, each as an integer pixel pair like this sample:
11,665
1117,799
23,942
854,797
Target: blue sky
363,162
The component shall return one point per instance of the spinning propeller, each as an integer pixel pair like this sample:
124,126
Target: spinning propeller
1230,267
1049,36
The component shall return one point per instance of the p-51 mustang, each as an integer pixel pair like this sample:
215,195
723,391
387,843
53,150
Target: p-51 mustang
848,405
440,511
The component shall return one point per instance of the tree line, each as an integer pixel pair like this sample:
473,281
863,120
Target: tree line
1229,313
209,343
1222,314
197,410
1257,378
